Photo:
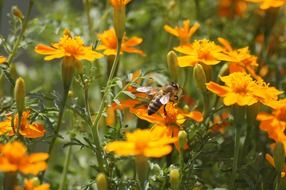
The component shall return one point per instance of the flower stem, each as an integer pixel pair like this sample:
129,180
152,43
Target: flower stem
17,43
10,181
61,113
66,166
102,106
89,20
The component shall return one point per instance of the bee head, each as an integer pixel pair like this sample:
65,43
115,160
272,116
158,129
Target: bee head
175,85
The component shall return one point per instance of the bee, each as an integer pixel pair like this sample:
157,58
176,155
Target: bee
160,96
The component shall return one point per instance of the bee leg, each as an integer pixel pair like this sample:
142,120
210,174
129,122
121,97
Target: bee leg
165,111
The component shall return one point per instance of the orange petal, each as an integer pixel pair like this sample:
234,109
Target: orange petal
171,30
217,89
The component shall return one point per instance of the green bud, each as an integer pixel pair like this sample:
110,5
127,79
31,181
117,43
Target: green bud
19,94
101,181
200,77
36,182
119,21
68,71
174,178
183,137
172,62
17,12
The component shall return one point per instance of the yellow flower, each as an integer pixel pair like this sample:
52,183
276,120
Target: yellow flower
14,157
68,46
31,184
2,59
184,33
27,129
154,142
109,43
267,4
241,89
201,51
119,3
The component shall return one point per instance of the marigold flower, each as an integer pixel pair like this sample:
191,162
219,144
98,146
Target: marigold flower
275,123
201,51
27,129
267,4
241,89
2,59
184,33
154,142
31,184
109,43
230,8
240,60
14,157
68,46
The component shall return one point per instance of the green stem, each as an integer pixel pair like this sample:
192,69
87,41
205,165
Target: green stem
19,39
19,124
181,158
236,155
197,4
277,181
17,43
89,20
66,166
61,113
102,106
10,181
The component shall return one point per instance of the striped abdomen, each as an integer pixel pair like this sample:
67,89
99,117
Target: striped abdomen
154,105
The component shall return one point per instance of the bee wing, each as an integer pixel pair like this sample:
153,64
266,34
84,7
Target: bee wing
147,89
165,99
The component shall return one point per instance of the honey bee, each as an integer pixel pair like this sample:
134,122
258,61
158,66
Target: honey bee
160,96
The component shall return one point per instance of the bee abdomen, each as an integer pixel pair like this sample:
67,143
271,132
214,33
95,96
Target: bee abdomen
154,106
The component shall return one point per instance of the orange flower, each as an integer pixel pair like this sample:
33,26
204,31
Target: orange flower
109,43
119,3
184,33
230,8
2,59
27,129
267,4
14,157
241,89
274,124
172,116
32,184
240,60
68,46
154,142
201,51
270,159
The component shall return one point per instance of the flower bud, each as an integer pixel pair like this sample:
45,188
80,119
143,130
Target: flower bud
200,77
183,137
35,181
19,94
174,178
101,181
119,17
17,12
67,72
172,62
70,93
